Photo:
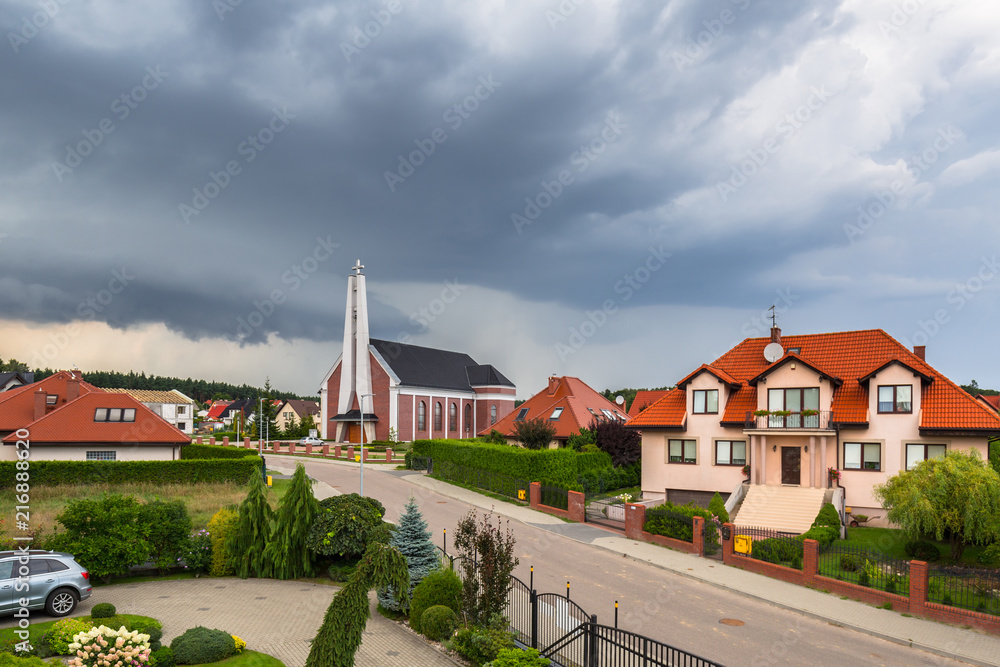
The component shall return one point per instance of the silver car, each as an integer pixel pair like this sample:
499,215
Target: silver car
53,581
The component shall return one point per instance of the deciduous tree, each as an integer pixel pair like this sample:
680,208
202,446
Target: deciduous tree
534,433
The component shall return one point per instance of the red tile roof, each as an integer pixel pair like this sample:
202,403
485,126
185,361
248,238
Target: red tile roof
992,401
645,398
215,411
705,368
569,393
73,422
848,355
17,406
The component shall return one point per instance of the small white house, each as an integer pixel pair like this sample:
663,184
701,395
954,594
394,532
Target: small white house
176,408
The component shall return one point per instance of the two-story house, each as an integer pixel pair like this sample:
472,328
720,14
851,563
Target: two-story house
792,408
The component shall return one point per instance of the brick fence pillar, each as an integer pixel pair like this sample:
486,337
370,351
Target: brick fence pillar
635,519
698,536
211,440
275,446
350,452
364,454
919,581
291,448
309,448
577,508
810,560
198,440
535,494
326,449
336,451
246,443
727,544
388,455
225,441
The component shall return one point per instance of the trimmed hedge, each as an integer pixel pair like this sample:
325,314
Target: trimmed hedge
563,466
52,473
202,452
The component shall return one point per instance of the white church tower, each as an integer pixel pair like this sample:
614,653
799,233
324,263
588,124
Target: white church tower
355,371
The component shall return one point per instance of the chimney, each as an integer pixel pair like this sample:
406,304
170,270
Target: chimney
553,384
920,351
72,388
775,335
40,396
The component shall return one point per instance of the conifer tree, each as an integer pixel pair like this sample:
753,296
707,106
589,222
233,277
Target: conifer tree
339,637
413,540
287,556
253,529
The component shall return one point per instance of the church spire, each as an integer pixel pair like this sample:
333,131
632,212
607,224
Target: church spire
355,365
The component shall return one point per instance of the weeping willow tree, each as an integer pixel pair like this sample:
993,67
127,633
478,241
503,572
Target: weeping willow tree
287,555
338,639
248,545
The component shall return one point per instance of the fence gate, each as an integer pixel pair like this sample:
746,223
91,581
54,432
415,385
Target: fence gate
713,533
608,512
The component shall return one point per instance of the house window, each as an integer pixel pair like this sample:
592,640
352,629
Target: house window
682,451
287,415
51,399
917,453
706,401
493,415
100,456
114,415
793,401
521,415
181,410
182,425
555,414
468,417
422,416
437,416
895,398
730,452
862,456
453,417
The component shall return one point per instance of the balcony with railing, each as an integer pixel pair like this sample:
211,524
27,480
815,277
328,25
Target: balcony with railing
814,420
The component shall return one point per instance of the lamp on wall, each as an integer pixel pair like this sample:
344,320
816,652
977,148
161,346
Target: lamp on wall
807,448
774,448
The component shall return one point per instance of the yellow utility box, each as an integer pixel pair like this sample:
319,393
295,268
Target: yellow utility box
743,544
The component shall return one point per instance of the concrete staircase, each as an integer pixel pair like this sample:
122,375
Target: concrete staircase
786,508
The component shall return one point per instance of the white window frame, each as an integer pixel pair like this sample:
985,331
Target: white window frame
556,414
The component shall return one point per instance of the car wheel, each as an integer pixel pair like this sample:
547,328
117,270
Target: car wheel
61,602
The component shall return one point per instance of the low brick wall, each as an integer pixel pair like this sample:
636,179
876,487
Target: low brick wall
577,507
635,522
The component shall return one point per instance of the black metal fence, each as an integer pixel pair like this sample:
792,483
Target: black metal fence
420,462
565,633
555,496
768,545
494,482
969,588
865,567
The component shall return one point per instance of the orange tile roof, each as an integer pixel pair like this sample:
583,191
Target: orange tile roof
993,401
717,372
569,393
17,406
73,422
850,356
668,412
645,398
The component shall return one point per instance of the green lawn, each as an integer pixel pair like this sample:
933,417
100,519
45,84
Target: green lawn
891,542
36,630
248,659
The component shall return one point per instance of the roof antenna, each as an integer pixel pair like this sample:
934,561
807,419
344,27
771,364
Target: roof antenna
774,317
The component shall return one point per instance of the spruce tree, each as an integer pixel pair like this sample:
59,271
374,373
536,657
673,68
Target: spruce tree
413,540
287,556
253,529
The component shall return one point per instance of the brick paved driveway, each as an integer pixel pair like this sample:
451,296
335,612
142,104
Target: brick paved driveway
275,617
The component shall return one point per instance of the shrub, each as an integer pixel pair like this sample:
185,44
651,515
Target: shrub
922,550
169,525
51,473
151,628
534,433
609,479
346,524
103,646
413,540
481,644
825,535
287,555
495,437
240,644
717,506
202,452
246,547
851,562
515,657
201,645
114,622
107,535
441,587
342,569
162,657
62,633
623,444
220,527
8,659
828,516
590,448
676,528
778,551
485,584
103,610
437,622
198,555
577,441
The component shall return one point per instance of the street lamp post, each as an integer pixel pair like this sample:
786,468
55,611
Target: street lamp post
363,396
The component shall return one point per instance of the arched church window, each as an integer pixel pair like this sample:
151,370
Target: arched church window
468,417
453,417
437,416
493,415
422,416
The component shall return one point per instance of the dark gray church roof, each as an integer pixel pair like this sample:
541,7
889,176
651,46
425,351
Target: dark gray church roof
417,366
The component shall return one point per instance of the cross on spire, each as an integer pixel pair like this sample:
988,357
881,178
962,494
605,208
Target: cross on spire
357,268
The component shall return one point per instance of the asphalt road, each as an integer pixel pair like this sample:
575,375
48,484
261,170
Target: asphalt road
682,612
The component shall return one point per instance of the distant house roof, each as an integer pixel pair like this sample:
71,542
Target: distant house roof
244,405
301,407
215,411
850,357
15,379
567,403
645,398
417,366
154,396
17,405
992,401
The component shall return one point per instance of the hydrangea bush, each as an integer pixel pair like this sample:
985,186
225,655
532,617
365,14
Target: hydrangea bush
104,647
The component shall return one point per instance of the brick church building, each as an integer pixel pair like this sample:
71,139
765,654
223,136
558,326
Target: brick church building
421,392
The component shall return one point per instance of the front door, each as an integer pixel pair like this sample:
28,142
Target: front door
791,465
354,433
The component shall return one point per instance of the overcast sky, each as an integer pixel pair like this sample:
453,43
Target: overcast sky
616,191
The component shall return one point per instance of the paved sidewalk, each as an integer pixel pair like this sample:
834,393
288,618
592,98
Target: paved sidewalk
950,641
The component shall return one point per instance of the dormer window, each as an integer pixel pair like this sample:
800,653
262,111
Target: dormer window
51,399
114,415
706,401
895,398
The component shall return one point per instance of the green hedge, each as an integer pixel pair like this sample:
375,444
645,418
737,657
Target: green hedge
215,452
51,473
563,466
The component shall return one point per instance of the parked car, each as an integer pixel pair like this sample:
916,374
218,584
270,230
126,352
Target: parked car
309,440
53,581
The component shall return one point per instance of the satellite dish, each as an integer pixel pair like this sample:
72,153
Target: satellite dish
619,399
773,352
